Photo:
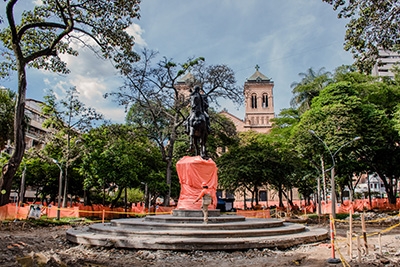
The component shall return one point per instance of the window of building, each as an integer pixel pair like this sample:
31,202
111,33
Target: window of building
265,101
253,101
262,195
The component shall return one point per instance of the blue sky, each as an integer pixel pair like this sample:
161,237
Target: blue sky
284,37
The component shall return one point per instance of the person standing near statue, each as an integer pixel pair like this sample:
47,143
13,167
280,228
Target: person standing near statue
207,200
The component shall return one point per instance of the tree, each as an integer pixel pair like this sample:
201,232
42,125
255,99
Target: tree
298,173
117,156
70,118
41,174
344,110
157,98
373,24
48,30
254,163
308,88
7,102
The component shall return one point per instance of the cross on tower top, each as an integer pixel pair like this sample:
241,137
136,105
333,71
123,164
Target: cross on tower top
257,67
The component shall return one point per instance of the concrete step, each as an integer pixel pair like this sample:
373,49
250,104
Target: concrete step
178,223
200,232
194,219
83,236
188,233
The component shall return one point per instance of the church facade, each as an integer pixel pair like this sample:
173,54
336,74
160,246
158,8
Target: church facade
259,110
259,105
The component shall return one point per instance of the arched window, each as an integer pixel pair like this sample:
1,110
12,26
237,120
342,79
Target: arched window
265,100
253,101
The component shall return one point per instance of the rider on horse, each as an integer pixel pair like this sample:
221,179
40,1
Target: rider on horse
198,117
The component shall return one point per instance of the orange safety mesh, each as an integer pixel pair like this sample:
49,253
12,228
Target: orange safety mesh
192,172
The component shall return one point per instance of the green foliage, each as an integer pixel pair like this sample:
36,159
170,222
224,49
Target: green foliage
372,25
155,96
309,87
41,174
47,30
7,105
135,195
256,162
68,118
36,38
354,105
119,156
68,115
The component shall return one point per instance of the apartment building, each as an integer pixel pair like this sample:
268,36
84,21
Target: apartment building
386,61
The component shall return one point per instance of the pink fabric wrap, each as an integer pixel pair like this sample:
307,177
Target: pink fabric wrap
192,172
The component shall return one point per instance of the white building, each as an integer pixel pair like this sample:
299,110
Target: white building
375,185
386,61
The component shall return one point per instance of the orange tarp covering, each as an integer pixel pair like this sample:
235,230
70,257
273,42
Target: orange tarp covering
192,172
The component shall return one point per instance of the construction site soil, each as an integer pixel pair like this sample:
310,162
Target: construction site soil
23,243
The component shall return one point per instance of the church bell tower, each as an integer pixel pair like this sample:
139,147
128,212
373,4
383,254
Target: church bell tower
259,102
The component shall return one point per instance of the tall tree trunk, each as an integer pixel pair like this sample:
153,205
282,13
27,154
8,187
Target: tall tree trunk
64,203
11,167
280,196
168,158
168,181
115,200
256,194
388,187
22,188
68,149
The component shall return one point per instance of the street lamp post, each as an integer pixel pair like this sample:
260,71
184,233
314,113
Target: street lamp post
59,188
147,198
332,169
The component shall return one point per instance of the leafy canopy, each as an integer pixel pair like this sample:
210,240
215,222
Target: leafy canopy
51,28
373,24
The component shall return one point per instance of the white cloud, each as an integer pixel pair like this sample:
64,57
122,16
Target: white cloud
136,31
283,37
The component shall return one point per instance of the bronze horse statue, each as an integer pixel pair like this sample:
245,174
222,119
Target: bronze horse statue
198,123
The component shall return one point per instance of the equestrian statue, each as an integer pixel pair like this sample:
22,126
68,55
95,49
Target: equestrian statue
198,123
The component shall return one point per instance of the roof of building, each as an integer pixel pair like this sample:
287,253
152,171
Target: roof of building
187,77
258,76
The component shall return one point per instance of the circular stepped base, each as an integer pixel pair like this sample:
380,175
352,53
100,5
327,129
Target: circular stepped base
188,233
195,213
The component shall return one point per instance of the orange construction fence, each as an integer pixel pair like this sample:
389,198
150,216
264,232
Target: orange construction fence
11,211
357,205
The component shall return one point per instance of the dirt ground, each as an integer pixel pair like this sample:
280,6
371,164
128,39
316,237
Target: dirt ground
24,244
